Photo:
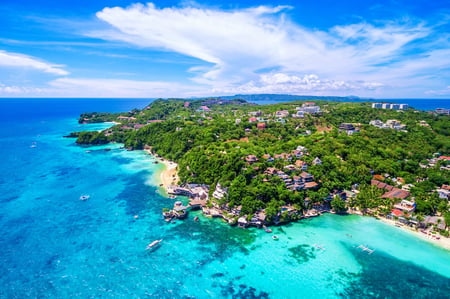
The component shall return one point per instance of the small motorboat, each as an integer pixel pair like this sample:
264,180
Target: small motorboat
153,244
84,197
275,237
196,218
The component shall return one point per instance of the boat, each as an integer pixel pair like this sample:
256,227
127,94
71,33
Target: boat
84,197
267,230
275,237
172,196
153,244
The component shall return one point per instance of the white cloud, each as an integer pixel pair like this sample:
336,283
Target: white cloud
240,43
441,92
87,87
311,84
19,60
98,87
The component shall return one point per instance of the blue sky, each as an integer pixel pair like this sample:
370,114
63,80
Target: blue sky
99,48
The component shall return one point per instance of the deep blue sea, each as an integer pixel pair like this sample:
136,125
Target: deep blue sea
54,245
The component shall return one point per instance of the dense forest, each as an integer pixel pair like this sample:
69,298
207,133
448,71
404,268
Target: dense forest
210,140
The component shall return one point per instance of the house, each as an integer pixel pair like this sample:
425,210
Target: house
443,193
271,171
434,220
307,177
219,192
423,123
290,168
317,161
237,121
406,206
255,113
242,222
302,149
283,156
396,193
396,213
186,104
299,114
251,159
311,185
203,109
297,154
252,120
348,128
302,165
268,158
282,113
260,126
392,192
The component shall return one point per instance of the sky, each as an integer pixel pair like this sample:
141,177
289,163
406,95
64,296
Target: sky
99,48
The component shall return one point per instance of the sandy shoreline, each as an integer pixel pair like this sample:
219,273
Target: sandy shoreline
443,242
166,175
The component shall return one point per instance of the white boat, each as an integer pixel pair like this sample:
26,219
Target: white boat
84,197
153,244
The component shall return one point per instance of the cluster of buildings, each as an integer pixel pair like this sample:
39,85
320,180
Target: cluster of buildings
390,106
442,111
307,108
304,181
434,161
389,124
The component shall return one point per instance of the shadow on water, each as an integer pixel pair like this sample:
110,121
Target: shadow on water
383,276
222,240
230,290
135,191
302,253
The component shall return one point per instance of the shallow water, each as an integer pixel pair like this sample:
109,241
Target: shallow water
56,246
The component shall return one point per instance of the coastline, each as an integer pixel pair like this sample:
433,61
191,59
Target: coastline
443,242
166,175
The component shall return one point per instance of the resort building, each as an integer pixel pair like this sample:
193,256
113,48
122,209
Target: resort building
390,106
406,206
308,108
348,128
251,159
219,192
282,113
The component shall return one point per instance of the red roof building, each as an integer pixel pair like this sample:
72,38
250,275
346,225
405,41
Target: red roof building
396,212
261,126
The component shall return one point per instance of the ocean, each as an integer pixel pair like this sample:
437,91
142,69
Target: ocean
54,245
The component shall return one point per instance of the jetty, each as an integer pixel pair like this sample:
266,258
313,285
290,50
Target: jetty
365,248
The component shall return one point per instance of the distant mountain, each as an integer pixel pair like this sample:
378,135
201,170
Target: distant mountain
288,97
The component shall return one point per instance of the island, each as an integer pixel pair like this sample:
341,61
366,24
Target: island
262,165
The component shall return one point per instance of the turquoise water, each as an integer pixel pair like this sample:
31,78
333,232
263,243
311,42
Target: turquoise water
56,246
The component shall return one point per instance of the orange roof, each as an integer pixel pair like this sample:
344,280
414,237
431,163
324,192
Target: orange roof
311,185
378,177
397,212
